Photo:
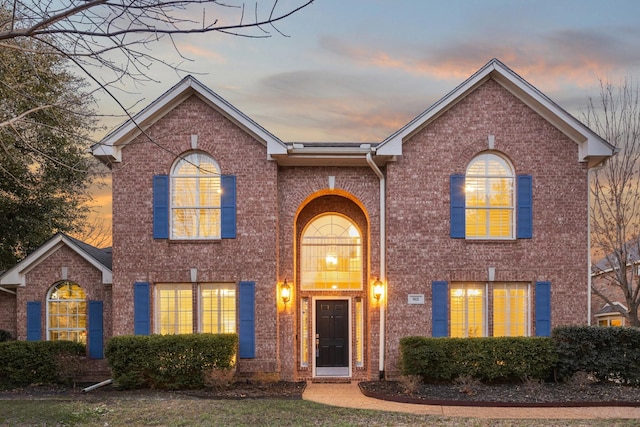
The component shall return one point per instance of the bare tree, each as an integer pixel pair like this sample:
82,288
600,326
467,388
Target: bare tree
44,46
615,196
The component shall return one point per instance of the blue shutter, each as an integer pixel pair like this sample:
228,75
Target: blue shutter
440,309
34,318
247,330
457,203
95,334
141,308
228,204
524,211
161,207
543,309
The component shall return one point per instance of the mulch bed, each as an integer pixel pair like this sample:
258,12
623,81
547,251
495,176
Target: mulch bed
515,395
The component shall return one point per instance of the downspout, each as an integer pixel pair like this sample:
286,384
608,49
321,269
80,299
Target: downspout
383,253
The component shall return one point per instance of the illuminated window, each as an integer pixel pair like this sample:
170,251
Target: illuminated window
304,332
489,198
359,333
510,310
174,309
468,310
195,198
331,254
67,313
218,308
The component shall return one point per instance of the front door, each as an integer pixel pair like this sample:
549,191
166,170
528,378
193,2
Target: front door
332,335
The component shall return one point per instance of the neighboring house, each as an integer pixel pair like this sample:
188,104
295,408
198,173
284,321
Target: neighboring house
603,277
471,220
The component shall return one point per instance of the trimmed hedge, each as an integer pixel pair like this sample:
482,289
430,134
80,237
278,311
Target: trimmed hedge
609,354
169,361
38,362
504,359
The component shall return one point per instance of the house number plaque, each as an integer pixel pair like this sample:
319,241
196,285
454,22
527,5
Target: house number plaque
416,298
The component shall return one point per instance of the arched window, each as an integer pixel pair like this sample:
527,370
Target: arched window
195,197
331,254
67,313
489,198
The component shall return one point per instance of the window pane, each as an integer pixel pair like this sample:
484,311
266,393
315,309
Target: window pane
218,308
489,201
174,309
67,313
304,332
467,310
510,310
331,254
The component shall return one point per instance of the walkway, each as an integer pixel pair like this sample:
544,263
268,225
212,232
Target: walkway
349,396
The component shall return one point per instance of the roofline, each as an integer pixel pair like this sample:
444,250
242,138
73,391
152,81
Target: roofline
109,148
16,275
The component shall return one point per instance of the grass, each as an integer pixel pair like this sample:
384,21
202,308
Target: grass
181,411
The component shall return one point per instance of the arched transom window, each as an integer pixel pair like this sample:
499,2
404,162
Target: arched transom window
489,198
331,254
195,198
67,313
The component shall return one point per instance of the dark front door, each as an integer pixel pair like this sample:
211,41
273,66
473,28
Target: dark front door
332,333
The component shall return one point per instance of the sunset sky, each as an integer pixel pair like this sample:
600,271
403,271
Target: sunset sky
357,70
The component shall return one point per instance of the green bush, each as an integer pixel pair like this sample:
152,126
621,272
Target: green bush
609,354
169,361
36,362
504,359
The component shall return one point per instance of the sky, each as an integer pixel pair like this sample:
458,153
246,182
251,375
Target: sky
358,70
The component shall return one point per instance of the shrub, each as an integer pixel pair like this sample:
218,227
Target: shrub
504,359
169,361
36,362
609,354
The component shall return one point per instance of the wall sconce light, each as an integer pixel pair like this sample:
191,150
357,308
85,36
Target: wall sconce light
285,292
378,289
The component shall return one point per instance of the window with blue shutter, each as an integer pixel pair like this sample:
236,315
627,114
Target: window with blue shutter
457,206
141,308
161,207
34,321
247,323
524,212
96,331
543,309
228,205
440,309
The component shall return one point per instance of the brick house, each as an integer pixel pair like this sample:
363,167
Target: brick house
471,220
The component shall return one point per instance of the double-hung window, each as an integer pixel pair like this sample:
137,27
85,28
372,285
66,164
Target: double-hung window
67,313
195,198
489,198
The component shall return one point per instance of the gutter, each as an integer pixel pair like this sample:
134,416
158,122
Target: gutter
593,169
383,250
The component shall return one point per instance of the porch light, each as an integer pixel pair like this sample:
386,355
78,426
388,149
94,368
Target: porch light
378,289
285,292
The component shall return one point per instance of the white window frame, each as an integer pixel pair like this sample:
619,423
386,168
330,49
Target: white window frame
157,307
195,158
486,157
220,310
527,313
80,333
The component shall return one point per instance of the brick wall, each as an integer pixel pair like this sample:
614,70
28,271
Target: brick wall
419,247
8,313
250,256
48,273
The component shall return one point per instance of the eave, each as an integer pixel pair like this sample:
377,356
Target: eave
328,154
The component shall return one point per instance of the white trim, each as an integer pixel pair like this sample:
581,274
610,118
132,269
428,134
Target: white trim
313,332
17,274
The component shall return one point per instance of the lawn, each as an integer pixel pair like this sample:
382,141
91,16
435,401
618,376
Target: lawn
189,411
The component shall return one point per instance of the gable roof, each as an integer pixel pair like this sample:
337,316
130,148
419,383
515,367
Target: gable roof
99,258
109,148
592,149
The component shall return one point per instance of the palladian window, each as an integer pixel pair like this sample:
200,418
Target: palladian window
195,198
489,193
67,313
331,254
